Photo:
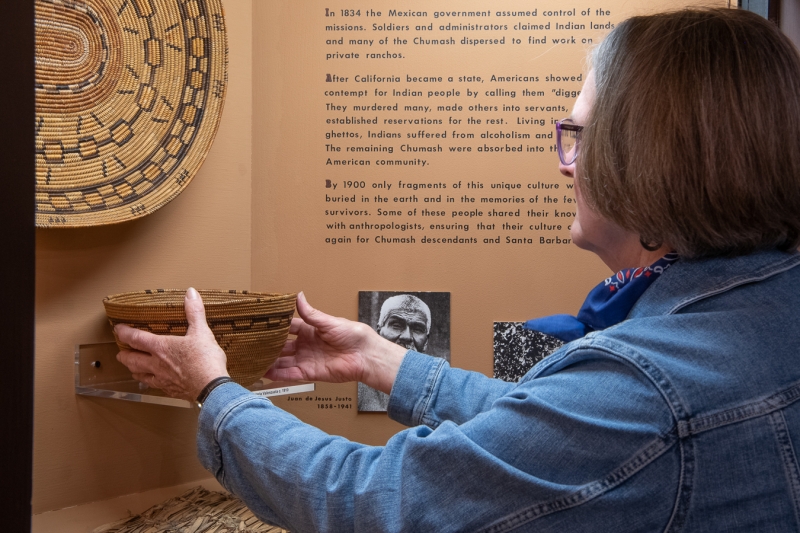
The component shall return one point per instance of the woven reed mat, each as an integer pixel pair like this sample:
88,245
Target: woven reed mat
196,511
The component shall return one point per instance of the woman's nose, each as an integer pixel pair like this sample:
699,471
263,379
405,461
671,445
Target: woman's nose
567,170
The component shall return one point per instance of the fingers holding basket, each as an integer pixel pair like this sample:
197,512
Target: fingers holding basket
142,341
138,363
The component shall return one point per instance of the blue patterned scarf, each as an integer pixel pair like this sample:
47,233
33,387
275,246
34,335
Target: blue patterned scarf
606,305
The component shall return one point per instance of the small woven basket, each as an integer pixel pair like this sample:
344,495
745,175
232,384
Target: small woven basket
250,327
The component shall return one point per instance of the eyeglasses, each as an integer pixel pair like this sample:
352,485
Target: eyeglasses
567,140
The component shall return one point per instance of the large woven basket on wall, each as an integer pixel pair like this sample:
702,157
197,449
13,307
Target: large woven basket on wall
250,327
129,94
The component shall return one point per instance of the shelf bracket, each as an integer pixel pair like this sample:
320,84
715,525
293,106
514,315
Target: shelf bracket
98,373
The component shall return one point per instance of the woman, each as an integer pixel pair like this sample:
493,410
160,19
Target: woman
683,416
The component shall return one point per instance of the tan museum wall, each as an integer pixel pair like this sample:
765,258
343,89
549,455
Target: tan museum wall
251,219
487,284
88,449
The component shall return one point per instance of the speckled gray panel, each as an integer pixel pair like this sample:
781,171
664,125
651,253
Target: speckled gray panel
517,349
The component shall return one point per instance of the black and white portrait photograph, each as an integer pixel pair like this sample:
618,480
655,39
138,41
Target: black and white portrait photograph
517,349
418,321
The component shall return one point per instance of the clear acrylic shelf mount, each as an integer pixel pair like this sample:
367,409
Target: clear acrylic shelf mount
98,373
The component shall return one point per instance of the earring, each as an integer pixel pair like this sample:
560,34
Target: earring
649,246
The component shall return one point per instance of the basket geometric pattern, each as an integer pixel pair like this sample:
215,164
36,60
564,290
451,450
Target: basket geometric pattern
251,328
129,94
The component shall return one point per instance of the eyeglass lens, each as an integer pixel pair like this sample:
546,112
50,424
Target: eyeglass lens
567,142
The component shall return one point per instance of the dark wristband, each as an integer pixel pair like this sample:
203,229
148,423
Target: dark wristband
213,384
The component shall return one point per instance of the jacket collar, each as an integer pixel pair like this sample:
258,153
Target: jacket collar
687,282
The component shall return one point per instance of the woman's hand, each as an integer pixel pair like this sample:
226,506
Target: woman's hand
336,350
180,366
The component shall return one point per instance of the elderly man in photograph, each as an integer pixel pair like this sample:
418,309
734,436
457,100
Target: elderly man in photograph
405,320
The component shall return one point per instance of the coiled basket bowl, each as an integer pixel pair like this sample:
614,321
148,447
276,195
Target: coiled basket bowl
251,327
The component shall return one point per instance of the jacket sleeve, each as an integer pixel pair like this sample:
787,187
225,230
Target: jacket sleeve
428,391
550,450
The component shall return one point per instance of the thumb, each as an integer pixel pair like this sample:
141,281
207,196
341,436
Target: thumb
311,316
195,311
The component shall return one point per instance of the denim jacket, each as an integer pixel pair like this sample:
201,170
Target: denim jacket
684,417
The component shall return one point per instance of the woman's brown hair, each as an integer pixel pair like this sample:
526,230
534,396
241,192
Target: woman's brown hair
694,136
